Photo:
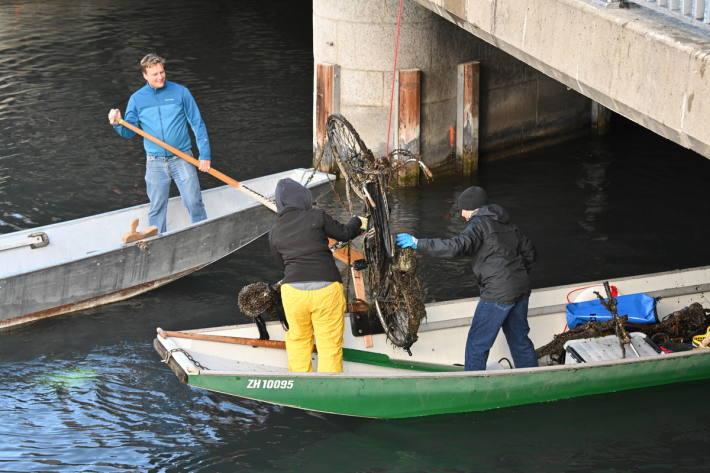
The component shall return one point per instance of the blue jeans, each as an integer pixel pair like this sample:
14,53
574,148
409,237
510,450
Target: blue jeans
487,321
159,170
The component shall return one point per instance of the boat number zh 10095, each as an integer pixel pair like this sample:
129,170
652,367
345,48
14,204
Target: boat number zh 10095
270,384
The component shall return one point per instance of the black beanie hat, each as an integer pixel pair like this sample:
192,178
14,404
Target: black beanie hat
472,198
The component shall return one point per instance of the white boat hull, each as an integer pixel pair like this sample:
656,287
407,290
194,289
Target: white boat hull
86,264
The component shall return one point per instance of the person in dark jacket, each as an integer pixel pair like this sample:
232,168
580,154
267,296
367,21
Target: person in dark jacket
502,257
311,289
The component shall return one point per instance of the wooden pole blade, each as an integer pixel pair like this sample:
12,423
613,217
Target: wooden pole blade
195,162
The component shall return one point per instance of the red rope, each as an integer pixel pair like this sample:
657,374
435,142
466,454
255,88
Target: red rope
394,71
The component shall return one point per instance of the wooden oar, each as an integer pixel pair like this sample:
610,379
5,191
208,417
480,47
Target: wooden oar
255,342
219,175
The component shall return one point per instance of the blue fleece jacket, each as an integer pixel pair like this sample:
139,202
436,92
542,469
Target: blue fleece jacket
164,113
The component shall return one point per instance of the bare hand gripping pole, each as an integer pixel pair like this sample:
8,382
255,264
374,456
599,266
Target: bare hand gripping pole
221,176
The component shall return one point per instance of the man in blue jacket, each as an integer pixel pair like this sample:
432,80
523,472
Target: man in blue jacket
502,257
163,109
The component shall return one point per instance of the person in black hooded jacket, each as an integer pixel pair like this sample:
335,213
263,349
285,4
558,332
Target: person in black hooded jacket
502,257
311,289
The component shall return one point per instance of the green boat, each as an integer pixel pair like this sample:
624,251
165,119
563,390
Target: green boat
382,381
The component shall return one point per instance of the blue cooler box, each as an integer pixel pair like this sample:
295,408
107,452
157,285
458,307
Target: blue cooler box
639,308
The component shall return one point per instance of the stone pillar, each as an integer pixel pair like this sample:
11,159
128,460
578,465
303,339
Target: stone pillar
359,36
467,117
326,102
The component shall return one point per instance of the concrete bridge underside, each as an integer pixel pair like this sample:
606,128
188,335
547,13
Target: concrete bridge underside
641,64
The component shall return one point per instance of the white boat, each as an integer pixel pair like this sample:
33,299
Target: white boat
382,381
78,264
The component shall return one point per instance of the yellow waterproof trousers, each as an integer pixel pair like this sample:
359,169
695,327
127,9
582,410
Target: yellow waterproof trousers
321,312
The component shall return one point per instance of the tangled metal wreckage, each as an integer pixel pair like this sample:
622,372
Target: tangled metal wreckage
393,288
681,330
392,301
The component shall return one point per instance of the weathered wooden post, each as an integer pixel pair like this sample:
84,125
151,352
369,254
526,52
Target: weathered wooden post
467,116
601,119
327,78
408,130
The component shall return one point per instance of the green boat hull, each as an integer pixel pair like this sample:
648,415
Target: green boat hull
423,394
382,382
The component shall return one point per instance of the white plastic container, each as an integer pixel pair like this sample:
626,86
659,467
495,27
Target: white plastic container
586,350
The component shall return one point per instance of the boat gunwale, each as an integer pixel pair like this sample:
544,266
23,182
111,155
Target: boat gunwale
573,285
447,374
533,311
123,246
249,204
117,211
558,308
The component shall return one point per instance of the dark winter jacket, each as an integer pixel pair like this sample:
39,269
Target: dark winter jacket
299,238
502,254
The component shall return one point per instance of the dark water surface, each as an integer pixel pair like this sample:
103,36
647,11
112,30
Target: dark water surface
86,392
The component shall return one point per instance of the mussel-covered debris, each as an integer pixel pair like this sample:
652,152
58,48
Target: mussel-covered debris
261,299
555,349
401,307
679,327
394,291
256,299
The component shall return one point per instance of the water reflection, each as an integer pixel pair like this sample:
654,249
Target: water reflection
594,182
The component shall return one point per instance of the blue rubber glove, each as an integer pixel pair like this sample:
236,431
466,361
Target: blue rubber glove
405,240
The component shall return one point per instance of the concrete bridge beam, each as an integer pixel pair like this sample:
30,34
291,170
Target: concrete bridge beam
643,65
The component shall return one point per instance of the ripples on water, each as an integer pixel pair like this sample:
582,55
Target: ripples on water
86,392
106,410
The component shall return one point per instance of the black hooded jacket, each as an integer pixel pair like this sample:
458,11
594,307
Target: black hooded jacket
502,254
299,238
